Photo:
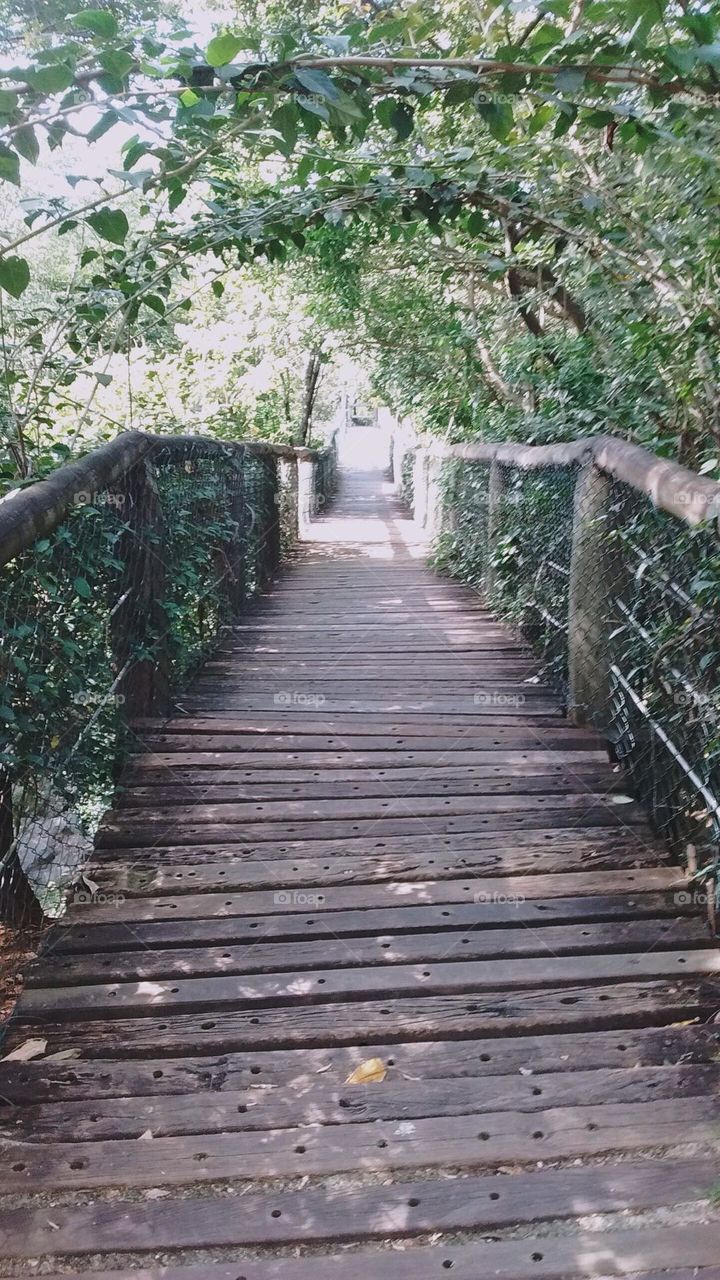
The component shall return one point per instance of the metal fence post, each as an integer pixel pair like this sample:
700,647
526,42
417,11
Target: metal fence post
590,599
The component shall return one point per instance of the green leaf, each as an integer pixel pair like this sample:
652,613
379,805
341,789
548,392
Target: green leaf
110,224
317,82
498,117
155,303
9,165
285,120
51,79
316,108
459,92
8,102
27,143
118,62
105,122
98,21
569,81
189,98
402,121
304,169
14,276
83,588
176,197
222,49
218,288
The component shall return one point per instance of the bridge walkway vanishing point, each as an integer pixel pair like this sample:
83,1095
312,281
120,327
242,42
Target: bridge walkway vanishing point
368,834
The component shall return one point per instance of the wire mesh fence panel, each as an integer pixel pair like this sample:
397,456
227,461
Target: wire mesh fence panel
324,478
289,505
530,533
106,617
462,545
619,599
262,520
199,527
663,664
61,700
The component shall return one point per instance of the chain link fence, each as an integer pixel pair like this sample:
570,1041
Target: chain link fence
616,596
118,575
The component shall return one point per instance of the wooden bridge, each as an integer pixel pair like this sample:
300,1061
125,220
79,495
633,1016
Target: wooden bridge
368,845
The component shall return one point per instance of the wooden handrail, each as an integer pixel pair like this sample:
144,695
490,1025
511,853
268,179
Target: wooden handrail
673,488
32,513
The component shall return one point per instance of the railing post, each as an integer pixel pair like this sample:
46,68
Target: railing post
496,493
19,906
305,467
139,625
590,599
235,550
435,506
271,548
420,487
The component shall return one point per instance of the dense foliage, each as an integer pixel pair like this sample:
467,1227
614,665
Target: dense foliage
508,212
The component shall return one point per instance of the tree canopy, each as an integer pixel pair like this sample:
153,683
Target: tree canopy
507,212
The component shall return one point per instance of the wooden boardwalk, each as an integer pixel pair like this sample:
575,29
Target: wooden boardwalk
368,835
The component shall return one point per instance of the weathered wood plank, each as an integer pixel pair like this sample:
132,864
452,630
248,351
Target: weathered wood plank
326,985
485,1203
321,1103
515,892
43,1080
83,935
496,1013
473,1141
264,957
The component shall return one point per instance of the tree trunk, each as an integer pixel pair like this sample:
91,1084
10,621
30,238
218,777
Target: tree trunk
312,378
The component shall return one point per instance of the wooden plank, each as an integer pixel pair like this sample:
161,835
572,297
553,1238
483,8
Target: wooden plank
385,805
164,761
524,853
83,936
485,1203
364,735
323,985
399,776
515,892
43,1080
496,1013
466,1141
120,833
232,791
264,957
329,1104
510,1260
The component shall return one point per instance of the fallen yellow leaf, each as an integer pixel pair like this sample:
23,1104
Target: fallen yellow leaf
372,1071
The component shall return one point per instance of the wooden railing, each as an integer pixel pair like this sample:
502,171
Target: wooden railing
118,573
608,558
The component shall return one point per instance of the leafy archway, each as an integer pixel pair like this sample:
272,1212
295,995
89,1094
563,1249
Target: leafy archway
541,183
